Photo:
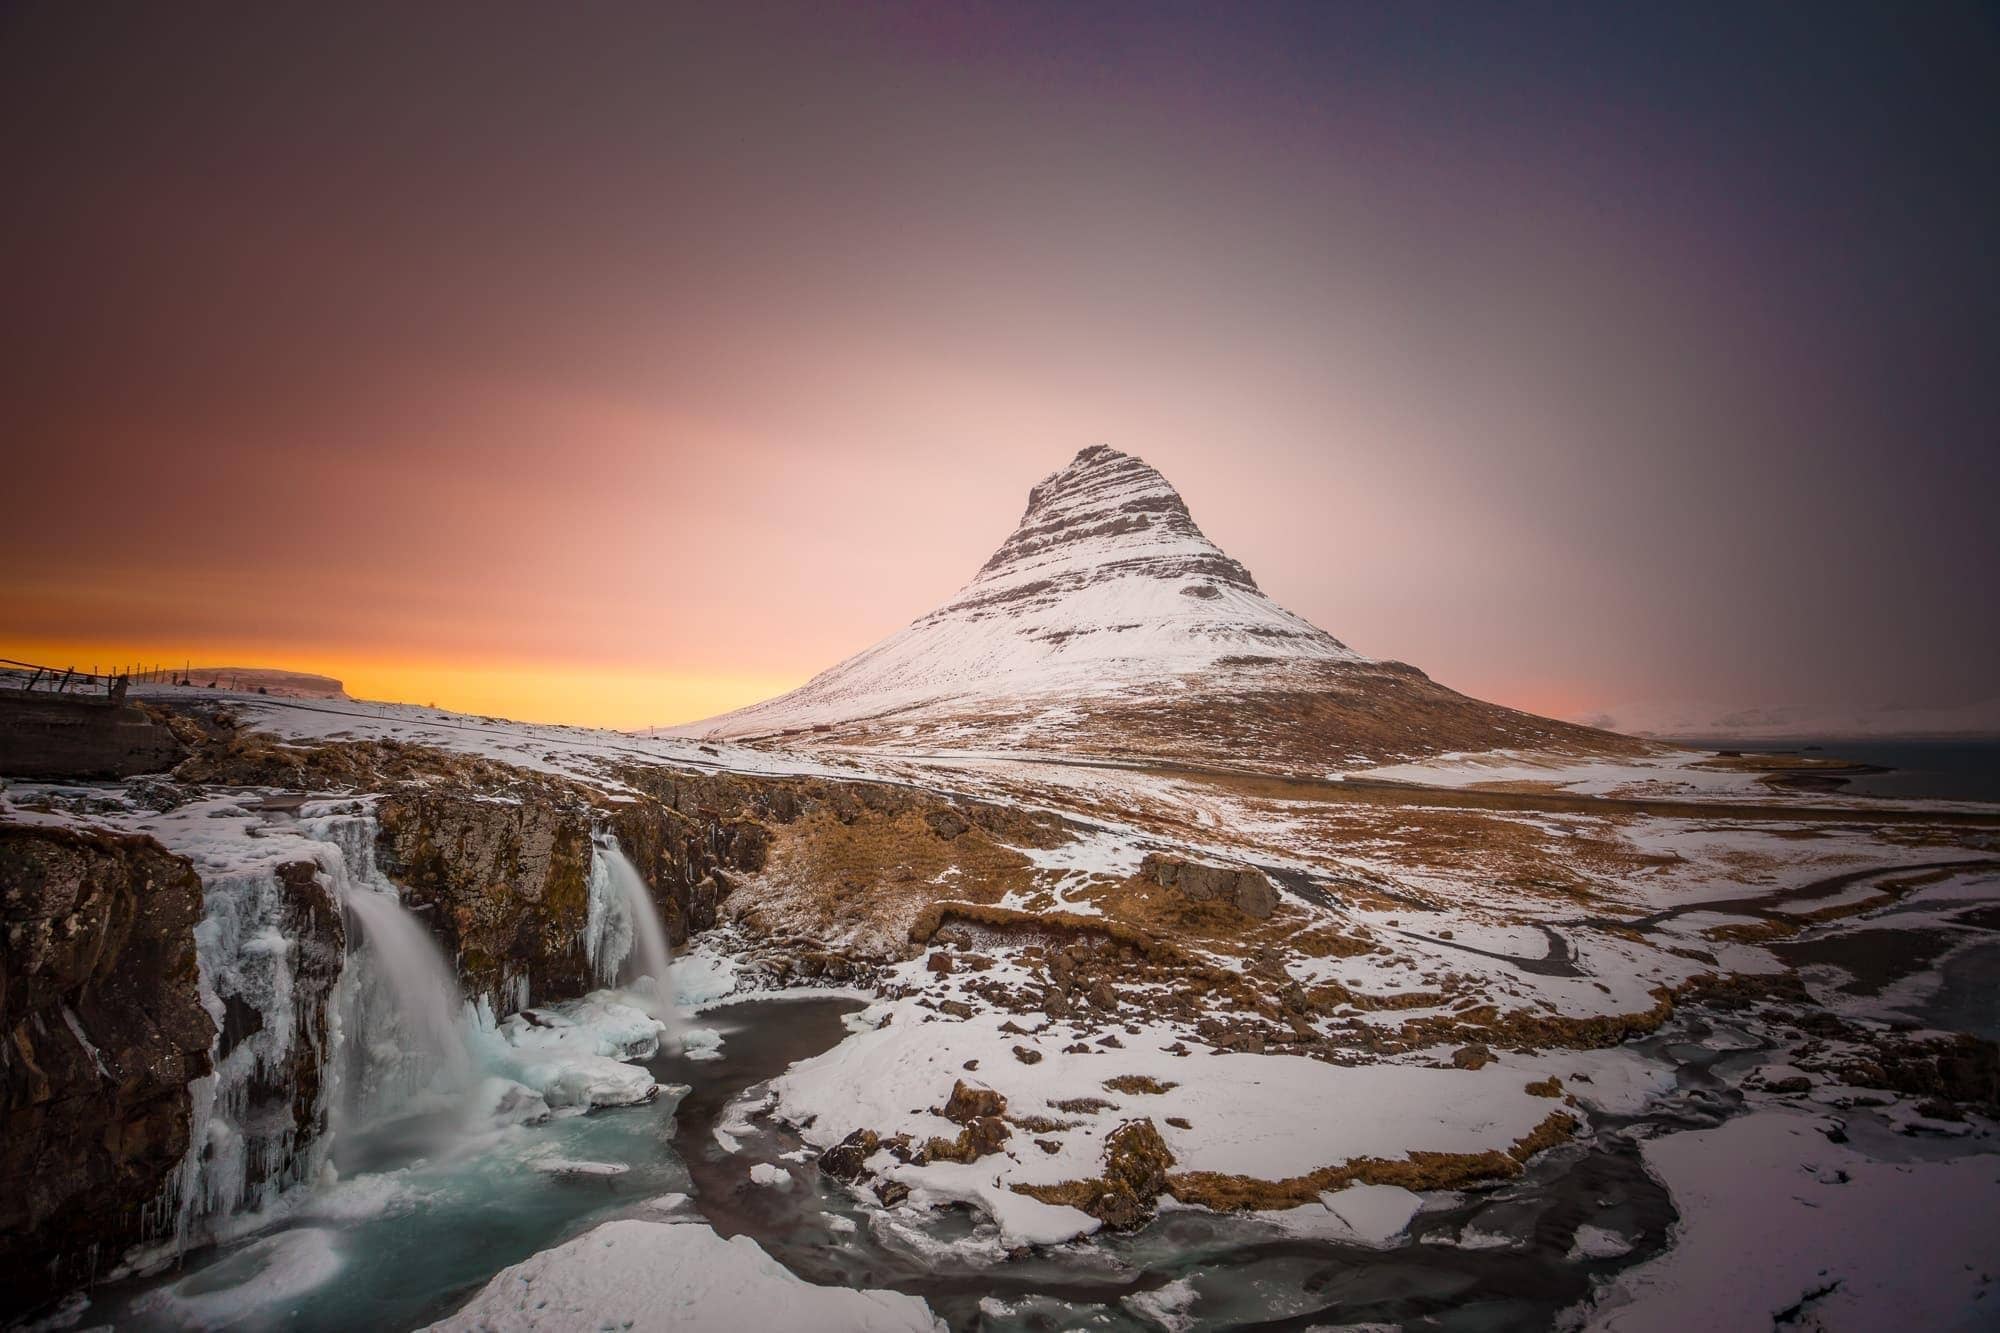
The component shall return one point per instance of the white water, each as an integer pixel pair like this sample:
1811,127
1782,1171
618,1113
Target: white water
624,935
402,1018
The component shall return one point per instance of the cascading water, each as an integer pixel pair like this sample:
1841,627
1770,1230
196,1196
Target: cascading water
624,937
402,1016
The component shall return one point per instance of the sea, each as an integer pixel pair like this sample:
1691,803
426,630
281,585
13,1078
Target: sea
1922,770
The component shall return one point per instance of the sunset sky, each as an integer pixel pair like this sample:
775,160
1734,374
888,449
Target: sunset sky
623,364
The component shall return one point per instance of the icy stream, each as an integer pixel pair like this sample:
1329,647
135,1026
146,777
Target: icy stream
409,1236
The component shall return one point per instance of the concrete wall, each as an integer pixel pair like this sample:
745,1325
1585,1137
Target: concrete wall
51,736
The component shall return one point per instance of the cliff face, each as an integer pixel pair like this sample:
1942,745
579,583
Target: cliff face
506,883
103,1028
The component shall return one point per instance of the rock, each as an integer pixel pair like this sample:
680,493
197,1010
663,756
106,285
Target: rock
1475,1056
846,1160
103,1028
1797,1083
1244,887
939,962
1027,1055
889,1193
947,823
956,1008
982,1135
1959,1068
970,1065
967,1103
1136,1159
1048,1146
1547,1087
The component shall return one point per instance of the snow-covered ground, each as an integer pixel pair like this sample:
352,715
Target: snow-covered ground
645,1275
1783,1225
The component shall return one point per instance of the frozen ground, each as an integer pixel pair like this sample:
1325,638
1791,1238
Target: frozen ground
658,1275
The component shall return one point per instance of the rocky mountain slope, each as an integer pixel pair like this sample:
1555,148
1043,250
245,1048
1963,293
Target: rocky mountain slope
1108,625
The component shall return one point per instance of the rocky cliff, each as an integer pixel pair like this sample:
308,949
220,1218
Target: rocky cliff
104,1029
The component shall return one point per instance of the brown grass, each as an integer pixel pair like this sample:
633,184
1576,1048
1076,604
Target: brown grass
1416,1171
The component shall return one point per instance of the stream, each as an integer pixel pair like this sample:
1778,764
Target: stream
405,1238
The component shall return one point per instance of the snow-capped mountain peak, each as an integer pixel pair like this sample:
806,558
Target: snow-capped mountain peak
1106,586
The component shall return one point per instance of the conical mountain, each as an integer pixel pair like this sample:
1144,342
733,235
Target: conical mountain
1108,624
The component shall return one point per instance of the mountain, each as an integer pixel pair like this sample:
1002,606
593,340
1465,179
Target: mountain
1107,625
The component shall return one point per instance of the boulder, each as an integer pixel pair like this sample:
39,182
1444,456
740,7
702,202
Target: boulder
967,1103
847,1159
1136,1159
1244,887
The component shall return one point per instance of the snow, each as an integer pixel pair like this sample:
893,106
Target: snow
1674,772
1775,1216
1083,599
1266,1116
643,1275
775,1177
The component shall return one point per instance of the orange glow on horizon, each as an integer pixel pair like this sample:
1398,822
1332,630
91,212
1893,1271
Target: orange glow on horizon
576,693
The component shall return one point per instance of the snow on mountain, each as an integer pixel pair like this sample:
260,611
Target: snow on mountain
1106,584
1108,625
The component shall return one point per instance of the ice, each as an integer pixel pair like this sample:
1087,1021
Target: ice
1168,1306
1597,1243
263,1274
1373,1214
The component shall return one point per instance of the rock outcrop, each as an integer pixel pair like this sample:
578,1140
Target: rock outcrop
505,884
1244,887
101,1015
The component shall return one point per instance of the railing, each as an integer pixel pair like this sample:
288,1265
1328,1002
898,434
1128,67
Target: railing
31,678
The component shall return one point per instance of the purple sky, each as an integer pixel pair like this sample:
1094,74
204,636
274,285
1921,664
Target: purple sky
1579,355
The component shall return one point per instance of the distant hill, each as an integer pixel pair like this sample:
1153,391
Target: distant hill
286,684
1698,721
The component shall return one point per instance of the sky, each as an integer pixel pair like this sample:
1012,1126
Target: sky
622,364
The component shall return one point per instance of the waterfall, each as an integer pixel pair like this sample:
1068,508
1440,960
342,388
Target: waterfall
623,936
402,1016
